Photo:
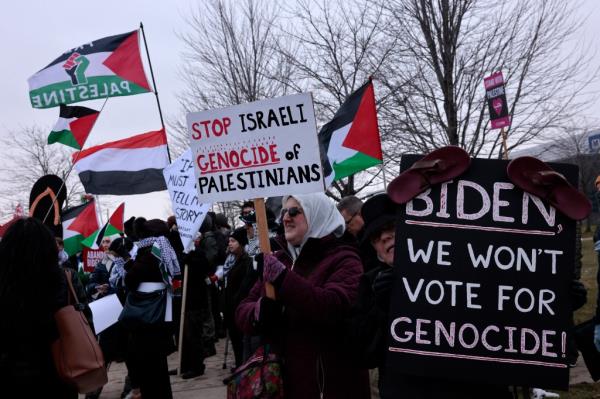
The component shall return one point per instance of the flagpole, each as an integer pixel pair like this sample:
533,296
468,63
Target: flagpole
162,122
74,162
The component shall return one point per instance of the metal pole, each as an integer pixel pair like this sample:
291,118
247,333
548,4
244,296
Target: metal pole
162,122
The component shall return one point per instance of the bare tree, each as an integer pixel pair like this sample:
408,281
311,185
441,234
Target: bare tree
334,47
231,57
436,84
31,158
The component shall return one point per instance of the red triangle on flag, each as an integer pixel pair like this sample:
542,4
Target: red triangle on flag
116,219
126,62
86,222
81,127
364,132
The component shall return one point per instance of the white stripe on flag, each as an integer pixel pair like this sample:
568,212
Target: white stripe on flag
62,124
115,159
56,73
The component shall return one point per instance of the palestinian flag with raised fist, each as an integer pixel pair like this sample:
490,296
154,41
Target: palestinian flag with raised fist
107,67
73,126
350,142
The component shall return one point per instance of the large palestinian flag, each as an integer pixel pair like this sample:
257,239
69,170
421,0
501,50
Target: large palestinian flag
78,222
350,142
107,67
112,227
130,166
73,126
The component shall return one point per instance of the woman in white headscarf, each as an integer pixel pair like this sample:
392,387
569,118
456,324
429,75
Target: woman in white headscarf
315,282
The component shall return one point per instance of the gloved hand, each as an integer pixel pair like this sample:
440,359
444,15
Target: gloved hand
382,287
597,337
272,268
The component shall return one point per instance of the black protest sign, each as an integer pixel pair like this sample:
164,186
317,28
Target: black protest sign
496,98
482,288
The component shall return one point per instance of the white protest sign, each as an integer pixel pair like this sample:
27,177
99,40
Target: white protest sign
105,312
261,149
189,211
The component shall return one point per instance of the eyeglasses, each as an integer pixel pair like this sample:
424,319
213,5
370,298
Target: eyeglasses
351,218
292,211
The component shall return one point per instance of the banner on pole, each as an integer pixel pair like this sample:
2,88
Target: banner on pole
496,98
189,212
483,280
260,149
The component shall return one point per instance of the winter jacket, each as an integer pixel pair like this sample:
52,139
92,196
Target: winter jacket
100,276
316,292
238,287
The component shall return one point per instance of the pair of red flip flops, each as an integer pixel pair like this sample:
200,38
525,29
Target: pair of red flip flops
528,173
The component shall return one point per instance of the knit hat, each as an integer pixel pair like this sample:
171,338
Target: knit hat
377,212
240,236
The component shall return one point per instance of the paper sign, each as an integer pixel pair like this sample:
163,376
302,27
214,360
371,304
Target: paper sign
105,312
90,258
482,293
261,149
189,211
496,97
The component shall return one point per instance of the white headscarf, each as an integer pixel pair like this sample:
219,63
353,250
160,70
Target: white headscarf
322,218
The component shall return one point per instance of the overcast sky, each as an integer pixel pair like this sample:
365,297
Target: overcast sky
33,33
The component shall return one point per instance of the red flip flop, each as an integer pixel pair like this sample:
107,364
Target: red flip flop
436,167
537,178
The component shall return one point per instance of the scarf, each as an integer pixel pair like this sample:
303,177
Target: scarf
164,252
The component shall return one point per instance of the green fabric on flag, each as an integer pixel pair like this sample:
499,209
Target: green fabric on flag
92,241
64,137
73,244
354,164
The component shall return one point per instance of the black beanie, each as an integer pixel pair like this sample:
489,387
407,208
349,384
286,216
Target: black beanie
240,236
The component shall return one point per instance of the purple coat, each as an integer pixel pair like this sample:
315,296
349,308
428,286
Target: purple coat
317,293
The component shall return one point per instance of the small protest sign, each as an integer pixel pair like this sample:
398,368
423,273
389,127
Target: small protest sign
90,258
483,276
189,211
496,98
260,149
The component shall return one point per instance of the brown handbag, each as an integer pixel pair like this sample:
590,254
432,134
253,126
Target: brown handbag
77,356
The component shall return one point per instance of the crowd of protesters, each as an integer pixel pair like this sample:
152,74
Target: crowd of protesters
324,288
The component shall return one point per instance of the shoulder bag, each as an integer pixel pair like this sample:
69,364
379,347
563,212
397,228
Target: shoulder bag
77,356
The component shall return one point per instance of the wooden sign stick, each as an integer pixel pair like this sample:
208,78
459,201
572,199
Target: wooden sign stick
263,237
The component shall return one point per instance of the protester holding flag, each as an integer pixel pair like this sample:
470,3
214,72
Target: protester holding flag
32,289
152,270
315,282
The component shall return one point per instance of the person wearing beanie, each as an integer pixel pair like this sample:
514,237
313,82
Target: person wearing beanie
239,277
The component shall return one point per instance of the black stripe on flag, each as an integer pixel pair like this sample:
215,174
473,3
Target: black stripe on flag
73,212
67,111
344,115
123,182
106,44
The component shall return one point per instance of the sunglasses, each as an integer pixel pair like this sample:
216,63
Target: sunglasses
292,211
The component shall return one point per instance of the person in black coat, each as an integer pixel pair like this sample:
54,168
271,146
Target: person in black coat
239,277
367,325
32,288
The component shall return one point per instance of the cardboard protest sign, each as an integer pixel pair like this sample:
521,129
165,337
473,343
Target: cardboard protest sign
90,258
181,184
483,276
496,98
260,149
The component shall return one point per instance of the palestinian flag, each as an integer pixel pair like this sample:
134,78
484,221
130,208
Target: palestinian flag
73,126
350,142
130,166
113,227
107,67
78,222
